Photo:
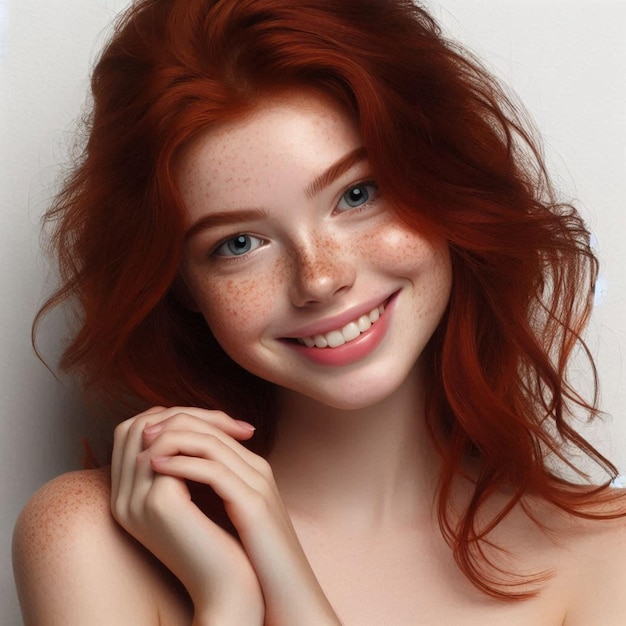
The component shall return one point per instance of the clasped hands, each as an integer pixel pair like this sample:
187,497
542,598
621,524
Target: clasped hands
261,577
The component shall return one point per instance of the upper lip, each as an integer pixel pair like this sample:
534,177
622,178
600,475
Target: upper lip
324,326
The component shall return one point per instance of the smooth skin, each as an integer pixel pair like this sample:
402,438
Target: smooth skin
336,526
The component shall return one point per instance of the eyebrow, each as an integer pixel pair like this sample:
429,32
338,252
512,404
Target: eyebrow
338,168
326,178
225,218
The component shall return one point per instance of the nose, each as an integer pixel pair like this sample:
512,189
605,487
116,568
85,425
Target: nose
323,269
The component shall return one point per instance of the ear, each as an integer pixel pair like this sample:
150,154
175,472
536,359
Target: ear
181,292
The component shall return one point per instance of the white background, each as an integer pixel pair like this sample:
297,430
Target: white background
566,59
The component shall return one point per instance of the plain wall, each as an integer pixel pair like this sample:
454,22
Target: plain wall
565,58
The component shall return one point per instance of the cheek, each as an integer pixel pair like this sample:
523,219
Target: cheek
406,252
238,306
422,261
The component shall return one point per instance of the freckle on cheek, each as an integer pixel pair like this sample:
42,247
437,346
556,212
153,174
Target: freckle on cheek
243,301
394,243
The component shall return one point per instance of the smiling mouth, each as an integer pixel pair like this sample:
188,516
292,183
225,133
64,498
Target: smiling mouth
347,333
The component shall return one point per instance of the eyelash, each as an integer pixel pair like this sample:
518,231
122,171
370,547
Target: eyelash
237,257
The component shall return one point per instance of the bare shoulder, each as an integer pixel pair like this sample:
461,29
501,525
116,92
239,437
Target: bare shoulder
74,498
596,557
73,562
60,517
585,558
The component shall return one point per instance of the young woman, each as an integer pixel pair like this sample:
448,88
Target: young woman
317,252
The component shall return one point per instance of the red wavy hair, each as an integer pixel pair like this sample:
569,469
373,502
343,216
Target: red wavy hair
449,149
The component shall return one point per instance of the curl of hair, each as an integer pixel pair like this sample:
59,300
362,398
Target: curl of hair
449,149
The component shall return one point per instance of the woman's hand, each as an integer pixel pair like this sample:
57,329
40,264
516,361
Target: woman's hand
266,573
158,511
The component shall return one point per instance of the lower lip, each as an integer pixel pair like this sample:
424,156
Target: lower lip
352,351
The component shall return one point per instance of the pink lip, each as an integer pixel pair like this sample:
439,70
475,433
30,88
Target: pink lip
338,321
352,351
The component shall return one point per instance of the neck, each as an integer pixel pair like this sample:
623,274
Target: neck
374,465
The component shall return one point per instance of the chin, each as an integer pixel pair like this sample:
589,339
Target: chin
360,396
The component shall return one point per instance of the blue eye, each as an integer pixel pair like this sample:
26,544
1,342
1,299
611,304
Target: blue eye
238,246
357,195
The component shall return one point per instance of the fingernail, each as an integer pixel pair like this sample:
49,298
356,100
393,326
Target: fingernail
153,429
246,425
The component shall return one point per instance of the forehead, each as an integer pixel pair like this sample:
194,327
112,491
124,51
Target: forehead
280,144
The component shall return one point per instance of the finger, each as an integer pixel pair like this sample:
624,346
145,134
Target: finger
120,434
236,492
206,446
217,419
131,439
190,423
257,514
128,443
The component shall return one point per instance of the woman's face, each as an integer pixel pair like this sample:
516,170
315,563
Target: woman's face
303,273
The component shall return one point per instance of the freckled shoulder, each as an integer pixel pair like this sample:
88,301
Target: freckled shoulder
73,562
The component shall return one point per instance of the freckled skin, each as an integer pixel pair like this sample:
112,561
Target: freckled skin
73,562
312,260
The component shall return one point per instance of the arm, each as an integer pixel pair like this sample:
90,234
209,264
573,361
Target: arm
72,562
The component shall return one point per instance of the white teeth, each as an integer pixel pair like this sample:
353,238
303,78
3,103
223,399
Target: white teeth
335,339
320,341
349,332
364,323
